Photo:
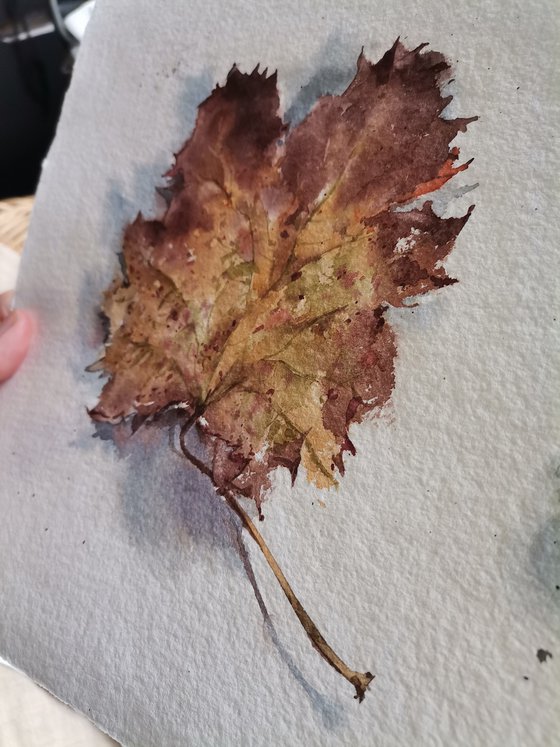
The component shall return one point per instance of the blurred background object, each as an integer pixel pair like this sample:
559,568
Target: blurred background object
14,220
38,43
31,717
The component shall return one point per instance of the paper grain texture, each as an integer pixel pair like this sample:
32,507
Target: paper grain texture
436,564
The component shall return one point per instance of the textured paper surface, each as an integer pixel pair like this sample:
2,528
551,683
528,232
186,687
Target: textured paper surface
436,564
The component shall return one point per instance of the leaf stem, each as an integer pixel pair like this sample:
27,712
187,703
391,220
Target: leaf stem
360,680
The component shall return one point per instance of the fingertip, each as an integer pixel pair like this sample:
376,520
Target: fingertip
29,321
16,333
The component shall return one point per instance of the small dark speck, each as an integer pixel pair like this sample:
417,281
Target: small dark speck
517,89
83,542
543,655
46,529
557,587
495,535
525,677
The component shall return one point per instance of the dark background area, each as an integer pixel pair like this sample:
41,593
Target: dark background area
34,75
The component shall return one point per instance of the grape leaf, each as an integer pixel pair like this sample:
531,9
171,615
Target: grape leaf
256,304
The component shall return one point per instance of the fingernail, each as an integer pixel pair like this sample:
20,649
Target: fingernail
15,337
9,322
6,304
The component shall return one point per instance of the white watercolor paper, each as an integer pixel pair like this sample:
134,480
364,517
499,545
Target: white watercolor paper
436,564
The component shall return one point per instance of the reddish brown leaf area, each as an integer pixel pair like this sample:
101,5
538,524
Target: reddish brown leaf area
257,302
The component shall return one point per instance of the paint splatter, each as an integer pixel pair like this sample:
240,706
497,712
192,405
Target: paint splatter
543,655
255,307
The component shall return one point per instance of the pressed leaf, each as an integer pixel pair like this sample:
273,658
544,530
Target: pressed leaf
257,301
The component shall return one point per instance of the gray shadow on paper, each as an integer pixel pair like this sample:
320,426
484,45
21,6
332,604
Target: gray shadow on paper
544,556
170,509
327,80
332,714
